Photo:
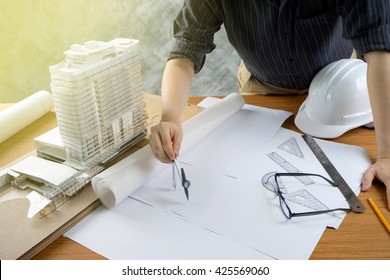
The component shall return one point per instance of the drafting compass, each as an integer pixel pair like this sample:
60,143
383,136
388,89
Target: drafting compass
182,175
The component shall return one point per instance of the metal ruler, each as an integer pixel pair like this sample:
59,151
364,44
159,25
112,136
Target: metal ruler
353,201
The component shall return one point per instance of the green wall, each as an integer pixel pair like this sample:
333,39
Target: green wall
35,33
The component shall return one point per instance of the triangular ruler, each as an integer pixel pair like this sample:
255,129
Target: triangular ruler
303,197
291,146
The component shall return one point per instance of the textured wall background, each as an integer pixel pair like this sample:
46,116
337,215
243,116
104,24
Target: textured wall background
35,33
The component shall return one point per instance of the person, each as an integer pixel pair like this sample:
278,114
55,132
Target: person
282,44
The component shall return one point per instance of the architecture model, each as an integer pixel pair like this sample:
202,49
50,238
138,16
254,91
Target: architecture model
98,100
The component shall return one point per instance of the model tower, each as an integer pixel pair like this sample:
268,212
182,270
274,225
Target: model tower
98,99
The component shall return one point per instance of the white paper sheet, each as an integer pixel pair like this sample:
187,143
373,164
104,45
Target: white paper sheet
238,209
222,150
243,210
133,230
23,113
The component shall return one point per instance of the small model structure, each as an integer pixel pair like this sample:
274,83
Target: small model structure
98,100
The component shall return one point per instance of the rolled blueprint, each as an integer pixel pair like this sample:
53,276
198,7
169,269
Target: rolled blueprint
23,113
116,183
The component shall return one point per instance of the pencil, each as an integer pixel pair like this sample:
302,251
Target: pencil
379,213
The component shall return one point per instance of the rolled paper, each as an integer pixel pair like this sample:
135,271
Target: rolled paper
23,113
119,181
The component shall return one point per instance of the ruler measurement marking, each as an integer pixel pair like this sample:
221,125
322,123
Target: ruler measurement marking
289,168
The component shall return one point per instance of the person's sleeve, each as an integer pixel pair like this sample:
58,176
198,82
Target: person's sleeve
194,30
367,24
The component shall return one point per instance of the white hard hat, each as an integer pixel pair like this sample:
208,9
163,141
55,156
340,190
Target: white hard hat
337,100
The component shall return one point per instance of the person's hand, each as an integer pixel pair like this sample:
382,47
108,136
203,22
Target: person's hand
165,140
381,171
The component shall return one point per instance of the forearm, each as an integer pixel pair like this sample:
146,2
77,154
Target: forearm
175,88
378,83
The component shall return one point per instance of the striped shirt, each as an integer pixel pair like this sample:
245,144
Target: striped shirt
283,42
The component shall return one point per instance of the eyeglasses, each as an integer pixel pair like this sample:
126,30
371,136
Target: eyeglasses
283,203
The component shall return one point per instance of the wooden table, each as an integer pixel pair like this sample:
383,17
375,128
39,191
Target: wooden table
360,236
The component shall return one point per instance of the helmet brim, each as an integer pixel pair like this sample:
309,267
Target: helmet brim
320,130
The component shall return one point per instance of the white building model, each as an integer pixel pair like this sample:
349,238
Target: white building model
98,99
